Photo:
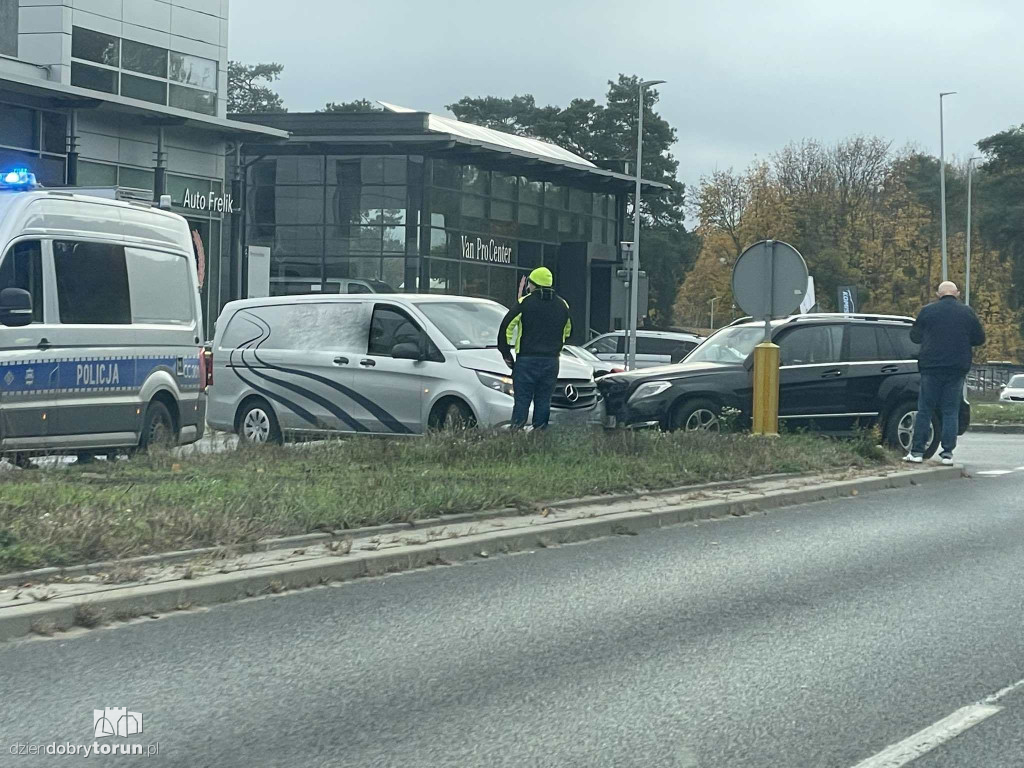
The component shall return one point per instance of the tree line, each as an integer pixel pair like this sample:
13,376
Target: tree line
865,214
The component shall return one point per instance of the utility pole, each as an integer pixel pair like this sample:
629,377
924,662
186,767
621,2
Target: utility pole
634,289
942,183
967,280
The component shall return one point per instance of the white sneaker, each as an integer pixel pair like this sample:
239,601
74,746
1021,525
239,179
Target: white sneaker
912,459
947,459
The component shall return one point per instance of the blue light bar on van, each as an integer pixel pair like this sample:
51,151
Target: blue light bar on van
18,178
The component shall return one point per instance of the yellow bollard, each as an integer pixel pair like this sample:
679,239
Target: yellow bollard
766,389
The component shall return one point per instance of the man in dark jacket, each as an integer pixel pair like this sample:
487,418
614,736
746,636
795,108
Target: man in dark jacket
946,329
538,325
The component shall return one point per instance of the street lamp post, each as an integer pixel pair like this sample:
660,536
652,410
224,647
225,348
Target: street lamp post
713,300
967,280
634,288
942,183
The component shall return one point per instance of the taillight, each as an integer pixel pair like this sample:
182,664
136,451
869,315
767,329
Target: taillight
206,366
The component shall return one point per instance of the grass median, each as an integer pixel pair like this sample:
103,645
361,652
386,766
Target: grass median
159,503
997,413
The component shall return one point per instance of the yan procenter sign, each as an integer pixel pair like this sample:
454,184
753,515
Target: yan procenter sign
478,249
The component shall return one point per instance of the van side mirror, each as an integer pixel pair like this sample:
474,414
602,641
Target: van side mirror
407,351
15,307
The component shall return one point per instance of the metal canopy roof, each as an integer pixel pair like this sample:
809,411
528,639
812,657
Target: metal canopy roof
405,128
478,134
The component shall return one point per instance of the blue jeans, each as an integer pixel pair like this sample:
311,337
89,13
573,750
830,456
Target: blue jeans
940,391
533,379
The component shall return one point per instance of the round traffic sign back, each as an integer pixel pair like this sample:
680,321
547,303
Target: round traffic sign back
769,279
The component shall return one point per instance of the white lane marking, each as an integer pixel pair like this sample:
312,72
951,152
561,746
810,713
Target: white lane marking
1018,469
931,737
995,472
1003,693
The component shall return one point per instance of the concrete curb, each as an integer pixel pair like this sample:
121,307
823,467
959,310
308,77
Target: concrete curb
309,539
120,603
1004,429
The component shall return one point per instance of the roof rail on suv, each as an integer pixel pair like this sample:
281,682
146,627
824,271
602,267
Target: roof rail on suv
850,316
828,316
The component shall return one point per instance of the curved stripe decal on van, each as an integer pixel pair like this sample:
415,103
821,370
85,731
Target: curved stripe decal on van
321,401
379,413
297,409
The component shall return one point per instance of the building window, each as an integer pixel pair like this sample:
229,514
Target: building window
145,59
96,174
136,178
35,139
475,180
447,174
144,89
193,100
194,70
193,79
95,46
503,186
54,127
93,78
17,127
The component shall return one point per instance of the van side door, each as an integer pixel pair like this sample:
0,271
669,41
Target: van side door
95,340
391,389
28,360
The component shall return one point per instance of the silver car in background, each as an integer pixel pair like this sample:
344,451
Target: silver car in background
395,364
652,347
1013,392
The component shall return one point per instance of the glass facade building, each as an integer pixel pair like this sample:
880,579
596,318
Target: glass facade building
334,203
415,223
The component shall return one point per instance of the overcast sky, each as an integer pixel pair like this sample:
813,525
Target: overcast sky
745,77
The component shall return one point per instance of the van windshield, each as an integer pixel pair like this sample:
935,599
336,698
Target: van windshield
730,345
467,325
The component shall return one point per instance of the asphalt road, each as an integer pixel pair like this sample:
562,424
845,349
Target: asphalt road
813,636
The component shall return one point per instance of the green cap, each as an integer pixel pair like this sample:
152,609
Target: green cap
542,276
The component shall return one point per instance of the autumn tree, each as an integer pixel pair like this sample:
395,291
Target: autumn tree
248,88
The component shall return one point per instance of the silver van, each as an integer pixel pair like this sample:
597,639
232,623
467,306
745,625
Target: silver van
380,364
100,326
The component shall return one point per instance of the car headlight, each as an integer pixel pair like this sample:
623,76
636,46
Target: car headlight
650,389
501,384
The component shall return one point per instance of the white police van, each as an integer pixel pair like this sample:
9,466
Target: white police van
100,324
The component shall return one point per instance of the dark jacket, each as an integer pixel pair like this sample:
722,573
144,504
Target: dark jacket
946,330
538,325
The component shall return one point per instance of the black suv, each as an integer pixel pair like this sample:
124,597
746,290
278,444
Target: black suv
838,373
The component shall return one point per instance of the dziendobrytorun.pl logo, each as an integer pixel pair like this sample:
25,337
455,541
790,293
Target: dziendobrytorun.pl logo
106,723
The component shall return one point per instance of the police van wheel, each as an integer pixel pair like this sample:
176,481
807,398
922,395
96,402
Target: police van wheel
157,428
257,424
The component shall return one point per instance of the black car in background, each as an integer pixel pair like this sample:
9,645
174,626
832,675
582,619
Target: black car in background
837,373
